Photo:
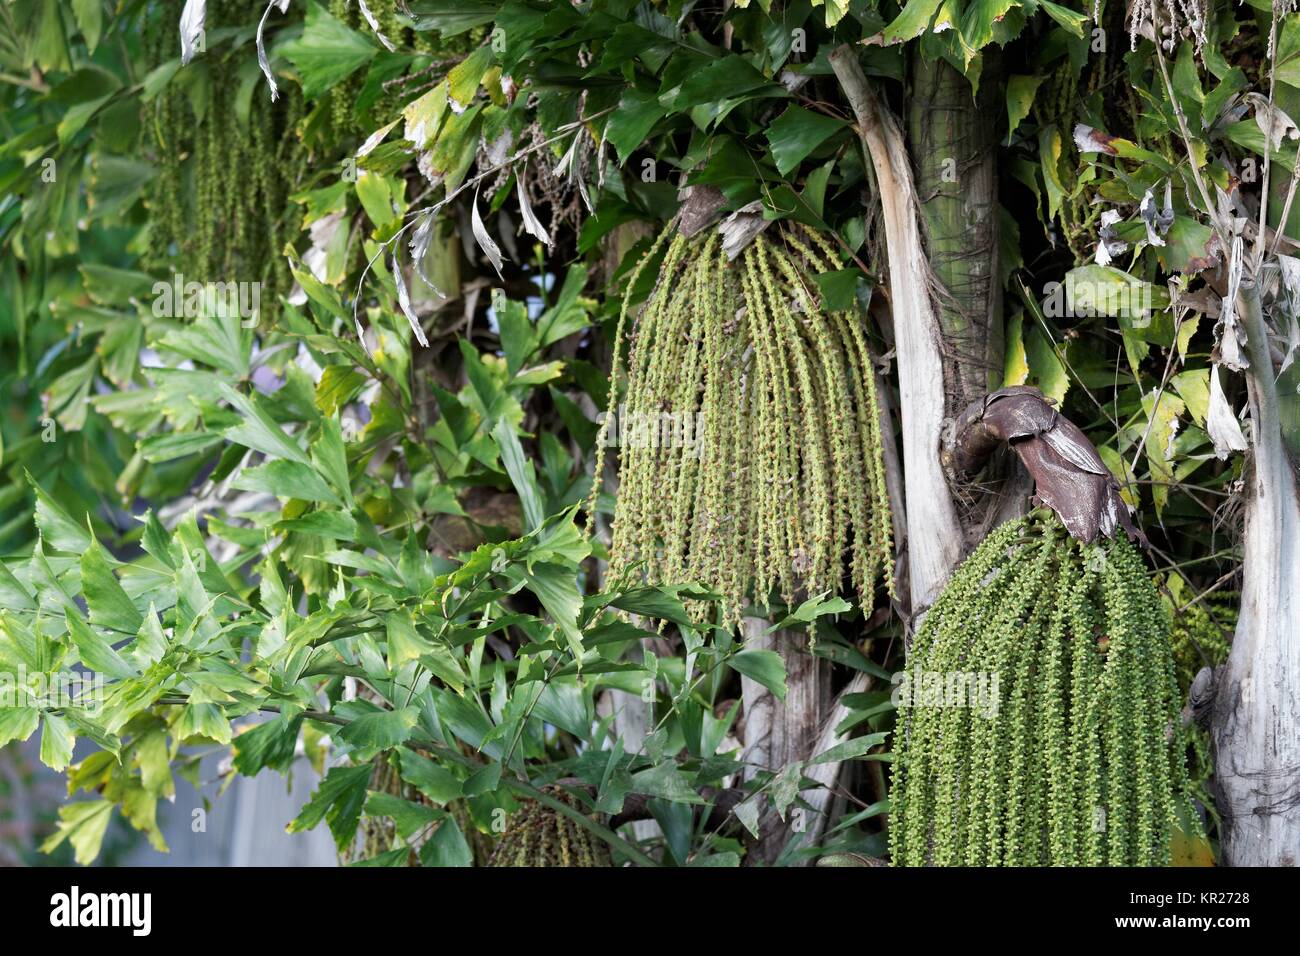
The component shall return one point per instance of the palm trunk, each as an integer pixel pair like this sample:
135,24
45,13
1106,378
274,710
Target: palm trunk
934,538
952,139
1257,692
1256,718
941,237
779,733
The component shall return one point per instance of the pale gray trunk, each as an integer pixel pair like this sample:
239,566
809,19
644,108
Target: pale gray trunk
934,534
779,733
1256,722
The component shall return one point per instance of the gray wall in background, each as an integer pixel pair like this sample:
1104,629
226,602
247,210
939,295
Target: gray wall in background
245,825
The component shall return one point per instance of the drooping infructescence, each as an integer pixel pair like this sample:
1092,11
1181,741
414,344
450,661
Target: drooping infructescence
1073,752
228,159
540,836
749,430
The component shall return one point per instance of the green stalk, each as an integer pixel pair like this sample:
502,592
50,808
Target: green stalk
952,137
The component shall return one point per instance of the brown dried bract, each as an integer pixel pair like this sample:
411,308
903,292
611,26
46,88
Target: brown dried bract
1069,475
1090,140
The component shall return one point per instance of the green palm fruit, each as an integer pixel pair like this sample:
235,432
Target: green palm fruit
749,429
540,836
1038,722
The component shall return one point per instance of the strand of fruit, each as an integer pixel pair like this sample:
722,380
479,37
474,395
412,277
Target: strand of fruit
219,206
749,433
344,96
1041,720
539,836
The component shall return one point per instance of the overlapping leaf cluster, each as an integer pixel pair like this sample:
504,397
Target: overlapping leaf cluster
194,654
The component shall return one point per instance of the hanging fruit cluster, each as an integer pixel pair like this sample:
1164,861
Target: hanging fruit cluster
541,836
749,432
1078,757
227,159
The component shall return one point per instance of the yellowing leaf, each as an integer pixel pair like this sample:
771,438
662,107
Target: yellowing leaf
464,79
425,115
1190,850
1163,427
1193,387
835,10
1049,155
1122,472
83,823
1020,98
1015,370
912,21
1047,370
